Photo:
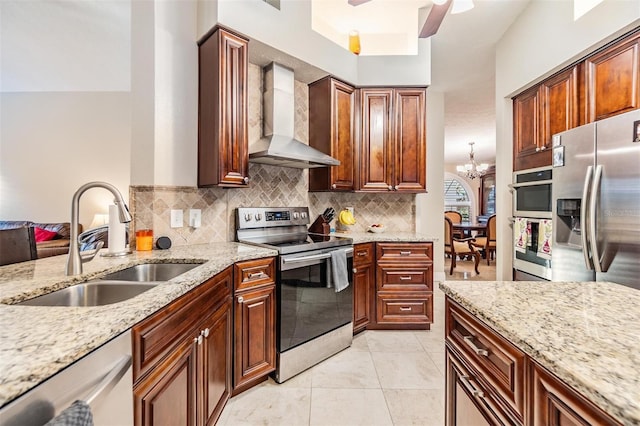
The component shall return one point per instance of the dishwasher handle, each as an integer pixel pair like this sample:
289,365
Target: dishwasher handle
109,381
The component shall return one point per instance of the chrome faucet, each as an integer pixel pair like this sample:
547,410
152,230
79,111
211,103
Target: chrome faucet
75,260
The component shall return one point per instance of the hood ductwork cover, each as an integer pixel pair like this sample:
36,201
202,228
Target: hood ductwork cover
278,147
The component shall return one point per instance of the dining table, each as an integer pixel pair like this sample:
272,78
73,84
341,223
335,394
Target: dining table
466,228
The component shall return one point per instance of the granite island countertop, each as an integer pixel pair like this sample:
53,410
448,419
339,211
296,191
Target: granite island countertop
587,334
38,341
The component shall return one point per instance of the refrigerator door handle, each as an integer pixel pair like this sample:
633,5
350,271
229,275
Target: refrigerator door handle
583,219
593,204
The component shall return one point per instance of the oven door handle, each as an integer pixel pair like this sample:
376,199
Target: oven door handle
532,183
320,256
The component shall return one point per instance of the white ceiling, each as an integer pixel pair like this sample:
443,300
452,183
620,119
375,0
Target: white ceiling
463,58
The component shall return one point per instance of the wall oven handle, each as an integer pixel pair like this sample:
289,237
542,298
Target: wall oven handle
584,218
533,183
593,204
312,257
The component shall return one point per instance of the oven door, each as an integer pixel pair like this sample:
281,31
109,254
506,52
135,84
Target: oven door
308,304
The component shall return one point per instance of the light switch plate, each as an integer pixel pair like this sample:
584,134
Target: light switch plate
195,218
177,218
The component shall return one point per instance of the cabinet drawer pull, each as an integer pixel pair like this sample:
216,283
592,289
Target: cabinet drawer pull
469,341
405,309
405,253
256,275
361,253
405,278
467,384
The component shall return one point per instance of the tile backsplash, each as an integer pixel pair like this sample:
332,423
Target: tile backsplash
269,186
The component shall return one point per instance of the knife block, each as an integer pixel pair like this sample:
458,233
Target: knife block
319,226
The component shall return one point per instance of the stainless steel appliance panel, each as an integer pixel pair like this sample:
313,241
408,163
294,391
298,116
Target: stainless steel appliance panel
569,182
616,189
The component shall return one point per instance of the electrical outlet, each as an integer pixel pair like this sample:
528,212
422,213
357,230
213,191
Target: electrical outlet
195,218
176,218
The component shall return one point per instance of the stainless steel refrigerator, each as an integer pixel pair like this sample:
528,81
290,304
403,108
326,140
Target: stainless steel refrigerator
596,202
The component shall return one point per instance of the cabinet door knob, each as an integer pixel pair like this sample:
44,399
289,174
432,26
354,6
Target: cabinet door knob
390,188
245,179
538,149
355,270
240,299
334,186
395,188
205,332
542,148
199,339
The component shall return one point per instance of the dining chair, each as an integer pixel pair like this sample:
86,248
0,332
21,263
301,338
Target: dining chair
456,217
17,245
488,242
458,247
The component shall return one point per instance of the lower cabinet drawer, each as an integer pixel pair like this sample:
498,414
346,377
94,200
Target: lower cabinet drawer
405,278
405,308
470,402
498,361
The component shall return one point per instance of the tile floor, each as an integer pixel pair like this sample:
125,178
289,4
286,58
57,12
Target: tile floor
384,378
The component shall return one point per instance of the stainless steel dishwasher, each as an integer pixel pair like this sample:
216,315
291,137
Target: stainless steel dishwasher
103,378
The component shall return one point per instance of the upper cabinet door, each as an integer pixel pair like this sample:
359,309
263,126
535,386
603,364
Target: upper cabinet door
332,131
376,149
410,140
612,78
526,108
560,100
223,157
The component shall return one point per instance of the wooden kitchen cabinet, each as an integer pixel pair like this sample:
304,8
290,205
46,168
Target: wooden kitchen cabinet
612,79
554,403
404,286
393,140
548,108
332,131
182,357
363,284
255,323
223,150
490,381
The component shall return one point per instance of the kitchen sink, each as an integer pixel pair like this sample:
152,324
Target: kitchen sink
152,272
95,293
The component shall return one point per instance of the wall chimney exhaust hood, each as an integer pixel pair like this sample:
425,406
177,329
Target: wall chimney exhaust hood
278,147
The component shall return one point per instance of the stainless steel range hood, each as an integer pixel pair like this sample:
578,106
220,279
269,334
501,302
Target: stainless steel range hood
278,147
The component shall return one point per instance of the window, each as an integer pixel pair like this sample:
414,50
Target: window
457,198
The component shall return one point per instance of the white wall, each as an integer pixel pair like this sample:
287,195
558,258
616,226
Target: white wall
65,106
543,40
429,206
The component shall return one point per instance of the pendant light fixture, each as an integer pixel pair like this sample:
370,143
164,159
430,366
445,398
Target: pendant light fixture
472,170
354,42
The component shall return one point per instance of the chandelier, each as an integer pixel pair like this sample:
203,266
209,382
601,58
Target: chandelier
472,170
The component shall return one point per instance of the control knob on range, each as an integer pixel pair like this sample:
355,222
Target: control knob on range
296,215
247,217
303,215
258,217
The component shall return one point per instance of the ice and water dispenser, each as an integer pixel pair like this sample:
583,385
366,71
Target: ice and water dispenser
567,225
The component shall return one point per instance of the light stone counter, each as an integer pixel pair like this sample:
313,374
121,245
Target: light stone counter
37,342
588,334
387,236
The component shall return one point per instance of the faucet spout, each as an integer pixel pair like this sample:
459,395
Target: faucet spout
74,261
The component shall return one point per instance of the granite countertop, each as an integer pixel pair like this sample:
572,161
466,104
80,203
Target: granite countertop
387,236
587,334
37,342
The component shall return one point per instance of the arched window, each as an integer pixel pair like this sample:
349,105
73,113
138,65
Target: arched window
459,197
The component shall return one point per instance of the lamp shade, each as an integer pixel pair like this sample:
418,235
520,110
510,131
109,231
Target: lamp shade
99,219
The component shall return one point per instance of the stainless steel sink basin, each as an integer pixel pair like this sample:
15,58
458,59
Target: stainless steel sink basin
96,293
152,272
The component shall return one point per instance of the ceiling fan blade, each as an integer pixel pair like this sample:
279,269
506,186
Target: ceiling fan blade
434,19
356,2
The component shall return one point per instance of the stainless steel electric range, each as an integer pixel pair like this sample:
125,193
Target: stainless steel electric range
314,321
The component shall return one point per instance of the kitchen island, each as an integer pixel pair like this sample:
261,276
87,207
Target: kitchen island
585,334
38,342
